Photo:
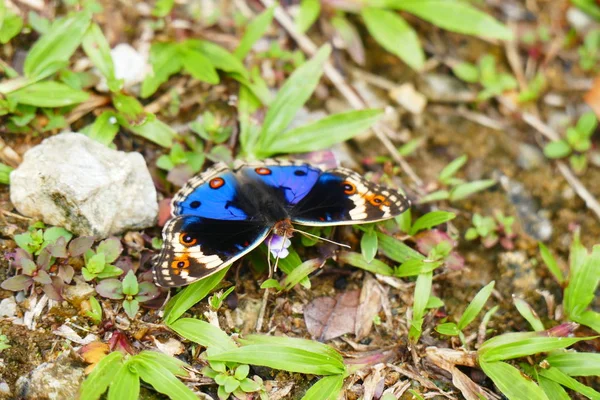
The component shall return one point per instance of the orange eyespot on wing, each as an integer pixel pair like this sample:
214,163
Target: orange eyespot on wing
187,240
216,183
180,263
349,188
262,171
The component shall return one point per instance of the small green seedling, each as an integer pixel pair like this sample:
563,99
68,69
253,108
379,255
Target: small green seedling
98,263
456,188
217,299
129,290
471,312
95,310
37,238
210,128
576,143
234,381
589,51
194,159
494,83
492,230
4,342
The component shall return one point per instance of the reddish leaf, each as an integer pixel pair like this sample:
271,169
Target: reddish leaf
111,289
42,277
16,283
54,290
111,248
58,249
80,245
28,267
147,291
65,273
44,259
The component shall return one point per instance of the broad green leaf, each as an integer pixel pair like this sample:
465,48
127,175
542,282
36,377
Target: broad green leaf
421,298
588,318
111,248
395,35
249,130
302,344
396,250
174,365
521,344
162,380
511,382
48,94
455,16
528,313
430,220
51,235
576,364
10,27
165,61
5,171
156,131
587,123
368,245
557,149
552,389
551,263
125,386
464,190
105,128
220,58
557,376
467,72
203,333
327,388
192,294
415,266
162,8
435,196
308,14
301,272
283,358
198,65
254,31
130,109
293,94
56,46
448,329
358,261
102,375
97,49
130,284
583,284
131,307
476,305
452,168
323,133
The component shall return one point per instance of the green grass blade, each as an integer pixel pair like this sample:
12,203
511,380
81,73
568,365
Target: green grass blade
192,294
396,250
126,385
97,49
551,263
174,365
430,220
455,16
476,305
254,31
452,168
162,380
358,261
48,94
301,272
323,133
298,343
395,35
552,389
528,313
464,190
588,318
156,131
293,94
511,382
102,375
204,334
583,283
576,364
327,388
557,376
284,358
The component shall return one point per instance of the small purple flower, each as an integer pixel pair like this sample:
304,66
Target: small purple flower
279,245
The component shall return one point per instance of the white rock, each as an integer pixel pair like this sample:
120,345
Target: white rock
73,181
8,307
130,65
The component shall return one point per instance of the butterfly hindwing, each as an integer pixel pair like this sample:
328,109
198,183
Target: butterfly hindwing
294,179
342,197
211,194
196,247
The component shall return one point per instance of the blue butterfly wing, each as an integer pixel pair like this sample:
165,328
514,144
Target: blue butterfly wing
294,179
212,194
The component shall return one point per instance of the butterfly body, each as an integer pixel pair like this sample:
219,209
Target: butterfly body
224,213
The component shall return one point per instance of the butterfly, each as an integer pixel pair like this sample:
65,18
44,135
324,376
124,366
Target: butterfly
222,214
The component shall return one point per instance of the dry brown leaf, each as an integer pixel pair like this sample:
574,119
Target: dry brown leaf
327,318
372,296
92,354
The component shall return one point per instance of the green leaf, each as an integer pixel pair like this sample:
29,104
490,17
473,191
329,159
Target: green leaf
174,365
467,72
95,312
293,94
521,344
110,271
96,47
368,245
307,14
105,128
358,261
165,61
56,47
396,250
415,266
162,8
551,263
583,282
452,168
395,35
96,263
435,196
162,380
421,298
283,358
125,386
511,382
587,123
131,307
476,305
48,94
323,133
430,220
130,284
192,294
197,65
552,389
297,343
556,375
301,272
156,131
51,235
102,375
220,58
528,313
455,16
557,149
204,334
10,27
448,329
464,190
111,248
254,31
576,364
327,388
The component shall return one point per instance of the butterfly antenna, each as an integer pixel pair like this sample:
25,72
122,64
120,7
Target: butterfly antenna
320,238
